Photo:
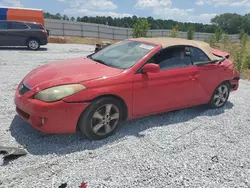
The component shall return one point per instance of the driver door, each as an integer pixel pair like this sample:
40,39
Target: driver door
175,86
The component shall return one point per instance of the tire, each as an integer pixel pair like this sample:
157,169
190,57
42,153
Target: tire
220,96
94,125
33,44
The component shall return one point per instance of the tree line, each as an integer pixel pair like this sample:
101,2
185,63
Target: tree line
231,23
128,22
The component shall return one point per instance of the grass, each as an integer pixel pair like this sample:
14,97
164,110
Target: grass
230,47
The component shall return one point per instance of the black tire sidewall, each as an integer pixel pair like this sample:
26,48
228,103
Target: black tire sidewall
33,40
211,102
84,122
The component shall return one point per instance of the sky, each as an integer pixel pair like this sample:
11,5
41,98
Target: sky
200,11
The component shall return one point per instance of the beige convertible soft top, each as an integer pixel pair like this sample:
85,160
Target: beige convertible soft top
168,42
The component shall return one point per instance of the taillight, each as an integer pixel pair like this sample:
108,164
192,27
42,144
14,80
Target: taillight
44,31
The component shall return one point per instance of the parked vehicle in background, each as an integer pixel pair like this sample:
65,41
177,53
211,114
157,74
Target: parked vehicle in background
17,33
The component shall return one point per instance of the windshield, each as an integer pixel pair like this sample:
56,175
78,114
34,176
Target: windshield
122,55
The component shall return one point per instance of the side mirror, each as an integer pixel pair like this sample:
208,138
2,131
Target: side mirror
151,68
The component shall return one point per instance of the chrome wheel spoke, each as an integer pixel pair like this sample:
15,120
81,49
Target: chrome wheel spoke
115,116
220,89
97,127
216,96
108,109
224,91
217,103
107,128
223,99
97,115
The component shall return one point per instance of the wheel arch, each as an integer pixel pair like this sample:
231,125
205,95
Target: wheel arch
118,98
36,38
226,82
222,82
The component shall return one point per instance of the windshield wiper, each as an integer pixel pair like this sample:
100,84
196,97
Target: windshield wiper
99,61
90,56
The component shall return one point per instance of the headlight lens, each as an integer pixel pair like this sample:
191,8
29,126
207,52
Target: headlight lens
59,92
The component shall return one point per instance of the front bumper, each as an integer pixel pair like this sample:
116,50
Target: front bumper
51,118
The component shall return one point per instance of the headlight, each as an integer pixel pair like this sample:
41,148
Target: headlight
59,92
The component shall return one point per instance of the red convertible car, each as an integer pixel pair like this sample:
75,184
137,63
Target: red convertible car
130,79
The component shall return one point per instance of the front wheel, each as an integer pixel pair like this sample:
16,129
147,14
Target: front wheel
220,96
33,44
101,119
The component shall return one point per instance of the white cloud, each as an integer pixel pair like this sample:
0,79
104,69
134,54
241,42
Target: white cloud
164,9
172,13
91,4
141,4
202,18
218,3
11,3
199,2
87,12
92,8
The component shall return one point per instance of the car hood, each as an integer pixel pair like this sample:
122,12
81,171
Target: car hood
67,72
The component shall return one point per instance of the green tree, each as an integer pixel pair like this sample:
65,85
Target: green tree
65,17
174,33
58,16
190,33
218,34
78,19
72,19
211,40
242,32
225,39
242,58
140,28
229,22
244,40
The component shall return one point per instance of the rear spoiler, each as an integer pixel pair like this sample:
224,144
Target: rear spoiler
219,53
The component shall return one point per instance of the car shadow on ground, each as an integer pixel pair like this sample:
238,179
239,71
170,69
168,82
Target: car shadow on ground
38,143
20,49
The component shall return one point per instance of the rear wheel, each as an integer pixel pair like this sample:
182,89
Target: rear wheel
33,44
220,96
101,119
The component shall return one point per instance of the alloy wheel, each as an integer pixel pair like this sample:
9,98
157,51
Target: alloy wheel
105,119
33,44
221,95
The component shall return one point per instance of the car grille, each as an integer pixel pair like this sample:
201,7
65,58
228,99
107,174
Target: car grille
23,89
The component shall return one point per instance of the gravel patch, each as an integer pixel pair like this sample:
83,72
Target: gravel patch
194,147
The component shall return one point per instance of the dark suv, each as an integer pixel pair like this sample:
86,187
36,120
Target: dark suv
16,33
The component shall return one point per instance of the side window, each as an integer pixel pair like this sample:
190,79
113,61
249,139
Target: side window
35,26
17,25
198,55
3,25
171,58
